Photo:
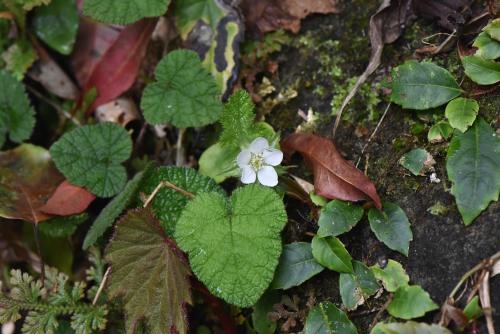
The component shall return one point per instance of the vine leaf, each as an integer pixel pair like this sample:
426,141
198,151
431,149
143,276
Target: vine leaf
331,253
168,204
234,244
184,94
410,302
114,208
326,318
124,11
355,288
472,165
422,85
391,227
149,273
68,200
17,117
338,217
296,266
90,156
461,113
334,177
27,180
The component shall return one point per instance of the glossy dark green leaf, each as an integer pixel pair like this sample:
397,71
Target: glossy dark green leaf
330,252
338,217
391,226
357,287
57,24
296,266
414,160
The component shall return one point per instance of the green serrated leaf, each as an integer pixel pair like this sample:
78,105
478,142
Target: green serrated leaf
124,11
296,266
57,25
422,85
357,287
326,318
392,276
488,48
493,29
234,244
473,310
338,217
462,112
148,274
30,4
410,302
219,163
168,204
61,227
330,252
409,327
90,156
481,71
18,58
391,227
114,208
439,131
17,117
472,165
237,120
184,94
414,160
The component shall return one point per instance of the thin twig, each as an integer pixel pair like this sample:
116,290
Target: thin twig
374,132
484,296
179,155
168,185
380,312
101,286
39,251
54,105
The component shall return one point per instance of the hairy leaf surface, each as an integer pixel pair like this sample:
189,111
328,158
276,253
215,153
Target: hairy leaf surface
91,156
150,275
124,11
234,244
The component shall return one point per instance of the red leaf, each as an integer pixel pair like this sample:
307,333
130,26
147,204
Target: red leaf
334,177
68,200
117,70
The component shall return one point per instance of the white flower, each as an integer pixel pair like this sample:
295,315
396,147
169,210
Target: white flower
257,162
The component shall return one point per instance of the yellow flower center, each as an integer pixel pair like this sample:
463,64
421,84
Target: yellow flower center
256,161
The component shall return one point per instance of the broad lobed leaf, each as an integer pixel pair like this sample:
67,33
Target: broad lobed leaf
124,11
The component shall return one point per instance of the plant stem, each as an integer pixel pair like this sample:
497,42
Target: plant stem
101,286
39,251
179,155
170,185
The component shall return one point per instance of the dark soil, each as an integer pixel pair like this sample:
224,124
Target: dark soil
443,248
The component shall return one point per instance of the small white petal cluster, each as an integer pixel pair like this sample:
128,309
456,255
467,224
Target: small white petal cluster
257,162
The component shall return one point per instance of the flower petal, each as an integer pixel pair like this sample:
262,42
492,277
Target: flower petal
268,176
248,175
273,157
243,158
258,145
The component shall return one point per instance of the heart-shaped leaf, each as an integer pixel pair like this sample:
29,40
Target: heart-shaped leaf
392,227
355,288
472,166
338,217
124,11
27,180
334,177
90,156
150,275
234,245
185,94
331,253
410,302
461,113
422,85
326,318
296,266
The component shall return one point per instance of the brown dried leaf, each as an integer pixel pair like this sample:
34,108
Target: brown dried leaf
68,200
28,178
268,15
450,312
451,13
334,177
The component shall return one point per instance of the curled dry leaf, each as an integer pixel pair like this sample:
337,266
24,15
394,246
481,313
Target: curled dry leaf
121,111
68,200
28,178
451,13
334,177
117,70
268,15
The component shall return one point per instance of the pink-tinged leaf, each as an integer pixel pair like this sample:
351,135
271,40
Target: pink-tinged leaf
68,200
334,177
118,68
